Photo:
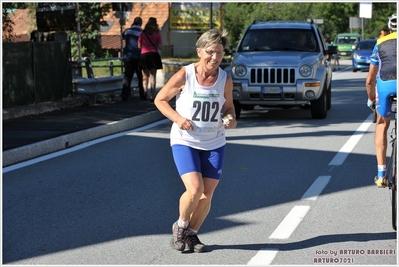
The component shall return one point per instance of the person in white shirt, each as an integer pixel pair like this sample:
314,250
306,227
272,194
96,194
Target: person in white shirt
204,95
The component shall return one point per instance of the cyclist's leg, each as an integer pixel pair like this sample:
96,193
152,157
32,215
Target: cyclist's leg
383,107
380,141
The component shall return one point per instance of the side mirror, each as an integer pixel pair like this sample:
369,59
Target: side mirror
229,50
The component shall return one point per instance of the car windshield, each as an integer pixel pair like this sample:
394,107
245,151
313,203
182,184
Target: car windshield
278,40
347,40
369,45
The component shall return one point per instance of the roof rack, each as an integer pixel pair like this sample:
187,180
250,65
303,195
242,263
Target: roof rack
257,20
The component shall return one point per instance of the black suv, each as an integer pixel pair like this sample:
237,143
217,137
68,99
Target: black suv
282,64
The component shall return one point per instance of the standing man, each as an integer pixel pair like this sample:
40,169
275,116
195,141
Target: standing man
131,59
380,83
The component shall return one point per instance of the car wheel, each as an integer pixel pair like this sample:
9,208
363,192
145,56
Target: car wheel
318,108
237,107
354,70
329,97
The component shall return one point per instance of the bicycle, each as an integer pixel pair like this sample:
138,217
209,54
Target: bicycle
392,165
391,174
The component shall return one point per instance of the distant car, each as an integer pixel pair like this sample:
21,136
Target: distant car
361,54
346,42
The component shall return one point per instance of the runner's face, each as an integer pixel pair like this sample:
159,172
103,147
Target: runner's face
212,54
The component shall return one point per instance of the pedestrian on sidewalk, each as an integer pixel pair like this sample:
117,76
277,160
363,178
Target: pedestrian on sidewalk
150,42
204,93
336,60
328,44
131,59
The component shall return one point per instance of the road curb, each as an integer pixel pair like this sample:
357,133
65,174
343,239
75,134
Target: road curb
42,148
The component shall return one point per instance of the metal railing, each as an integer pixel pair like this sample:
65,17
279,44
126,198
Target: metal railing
92,85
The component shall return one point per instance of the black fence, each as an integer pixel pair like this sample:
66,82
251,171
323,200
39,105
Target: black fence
36,72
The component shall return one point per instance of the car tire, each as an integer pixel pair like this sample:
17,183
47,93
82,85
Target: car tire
329,97
354,70
318,107
237,107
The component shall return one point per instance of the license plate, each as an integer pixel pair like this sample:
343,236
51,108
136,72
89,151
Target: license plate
343,53
271,90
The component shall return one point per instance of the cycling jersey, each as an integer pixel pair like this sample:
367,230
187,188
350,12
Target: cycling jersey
384,55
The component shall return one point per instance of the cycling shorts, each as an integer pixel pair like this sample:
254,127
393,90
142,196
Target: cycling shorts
208,163
384,89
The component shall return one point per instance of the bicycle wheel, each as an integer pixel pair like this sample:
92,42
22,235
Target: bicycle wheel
394,191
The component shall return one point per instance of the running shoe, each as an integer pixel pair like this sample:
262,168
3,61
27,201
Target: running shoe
194,244
381,182
178,237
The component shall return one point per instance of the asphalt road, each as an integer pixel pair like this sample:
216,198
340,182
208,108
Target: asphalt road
294,191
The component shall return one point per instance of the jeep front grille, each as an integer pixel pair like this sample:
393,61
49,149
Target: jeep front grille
272,76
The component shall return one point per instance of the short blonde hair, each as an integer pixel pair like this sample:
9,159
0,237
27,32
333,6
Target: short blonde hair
213,36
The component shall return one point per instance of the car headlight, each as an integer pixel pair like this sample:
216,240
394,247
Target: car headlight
305,70
240,70
356,56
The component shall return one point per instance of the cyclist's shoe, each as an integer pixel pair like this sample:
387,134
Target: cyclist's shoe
178,237
381,181
194,244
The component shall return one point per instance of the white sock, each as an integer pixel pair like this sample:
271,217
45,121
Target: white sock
192,231
182,224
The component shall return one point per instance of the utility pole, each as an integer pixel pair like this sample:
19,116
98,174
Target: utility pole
78,32
210,20
121,22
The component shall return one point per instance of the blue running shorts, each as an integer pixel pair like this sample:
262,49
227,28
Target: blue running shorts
208,163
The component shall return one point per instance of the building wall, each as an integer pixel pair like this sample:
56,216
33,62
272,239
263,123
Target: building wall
181,44
179,41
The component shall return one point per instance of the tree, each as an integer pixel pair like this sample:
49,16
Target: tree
8,24
91,19
335,16
235,19
379,20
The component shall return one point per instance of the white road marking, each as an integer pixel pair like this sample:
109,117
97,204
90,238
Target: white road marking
264,257
316,188
78,147
290,222
351,143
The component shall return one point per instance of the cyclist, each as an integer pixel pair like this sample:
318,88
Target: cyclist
380,83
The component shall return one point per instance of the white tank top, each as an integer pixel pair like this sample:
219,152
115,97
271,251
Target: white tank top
203,106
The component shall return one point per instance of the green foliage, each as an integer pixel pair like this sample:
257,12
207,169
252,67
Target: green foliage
236,18
381,12
90,18
8,24
335,15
